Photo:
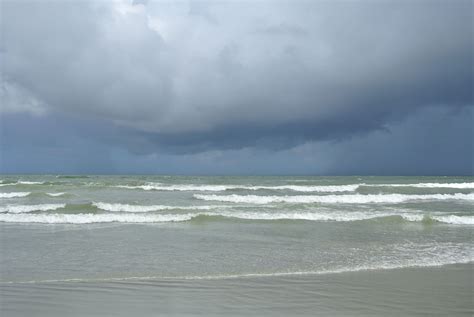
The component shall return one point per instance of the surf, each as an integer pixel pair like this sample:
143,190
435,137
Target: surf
333,199
14,195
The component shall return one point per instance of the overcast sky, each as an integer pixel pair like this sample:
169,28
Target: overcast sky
237,87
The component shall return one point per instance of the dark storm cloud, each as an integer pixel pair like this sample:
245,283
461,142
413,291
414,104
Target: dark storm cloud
190,77
433,141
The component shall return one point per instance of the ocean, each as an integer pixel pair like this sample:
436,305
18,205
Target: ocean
222,245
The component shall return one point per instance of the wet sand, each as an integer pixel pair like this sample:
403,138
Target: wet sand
429,291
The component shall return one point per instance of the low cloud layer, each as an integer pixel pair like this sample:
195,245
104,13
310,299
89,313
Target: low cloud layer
189,78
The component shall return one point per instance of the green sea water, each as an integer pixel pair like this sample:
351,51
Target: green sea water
235,245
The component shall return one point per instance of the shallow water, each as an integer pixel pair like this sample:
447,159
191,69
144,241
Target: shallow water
432,291
258,237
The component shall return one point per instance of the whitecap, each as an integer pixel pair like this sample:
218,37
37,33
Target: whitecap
30,183
14,195
16,209
332,199
146,208
456,220
55,194
427,185
218,188
93,218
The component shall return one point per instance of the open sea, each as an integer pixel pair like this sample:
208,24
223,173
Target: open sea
213,246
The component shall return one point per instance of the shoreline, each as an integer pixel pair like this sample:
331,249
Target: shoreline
218,277
440,290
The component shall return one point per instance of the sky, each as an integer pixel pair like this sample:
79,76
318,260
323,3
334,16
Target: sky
237,87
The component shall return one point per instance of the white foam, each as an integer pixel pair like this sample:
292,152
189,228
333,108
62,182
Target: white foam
93,218
30,208
381,266
426,185
22,183
319,188
152,218
30,183
332,199
341,216
313,216
158,187
12,216
456,220
413,217
14,195
55,194
297,188
445,255
146,208
449,219
218,188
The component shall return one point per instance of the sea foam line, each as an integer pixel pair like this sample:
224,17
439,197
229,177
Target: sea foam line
465,259
332,199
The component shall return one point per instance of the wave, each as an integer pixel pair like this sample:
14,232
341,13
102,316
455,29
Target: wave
85,218
146,208
16,209
296,188
218,188
426,185
455,220
72,176
24,194
459,255
345,216
14,195
22,183
55,194
29,183
327,216
93,218
454,259
177,187
332,199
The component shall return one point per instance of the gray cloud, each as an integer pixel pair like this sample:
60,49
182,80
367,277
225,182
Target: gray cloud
433,141
192,77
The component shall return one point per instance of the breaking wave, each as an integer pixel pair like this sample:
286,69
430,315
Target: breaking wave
93,218
140,208
16,209
426,185
84,218
331,199
14,195
218,188
450,219
55,194
30,183
22,183
72,176
296,188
